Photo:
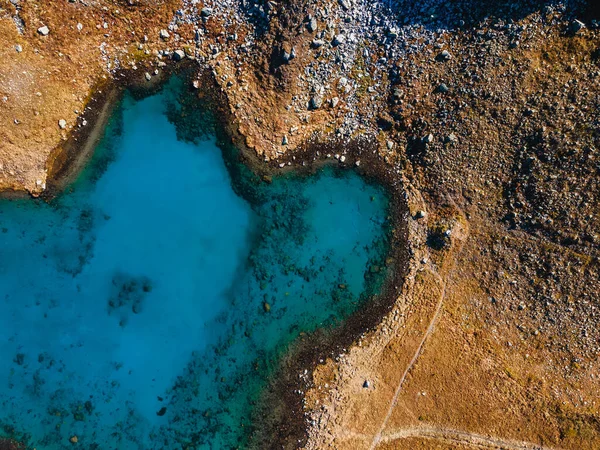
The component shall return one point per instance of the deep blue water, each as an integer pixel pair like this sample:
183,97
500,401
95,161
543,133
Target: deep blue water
146,307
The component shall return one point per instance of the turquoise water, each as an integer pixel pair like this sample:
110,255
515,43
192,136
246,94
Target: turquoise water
147,306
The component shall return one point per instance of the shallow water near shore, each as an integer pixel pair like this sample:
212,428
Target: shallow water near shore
148,305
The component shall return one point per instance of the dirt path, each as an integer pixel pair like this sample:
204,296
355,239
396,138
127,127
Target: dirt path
377,438
461,437
443,282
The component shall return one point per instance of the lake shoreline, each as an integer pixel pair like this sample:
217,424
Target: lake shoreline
280,410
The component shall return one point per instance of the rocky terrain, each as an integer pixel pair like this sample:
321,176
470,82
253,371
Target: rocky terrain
488,115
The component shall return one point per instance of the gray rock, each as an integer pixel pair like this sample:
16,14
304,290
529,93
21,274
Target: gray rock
428,139
287,56
164,34
442,88
334,102
284,141
44,31
576,26
206,12
345,4
316,43
338,40
62,123
315,102
178,55
451,138
444,56
312,25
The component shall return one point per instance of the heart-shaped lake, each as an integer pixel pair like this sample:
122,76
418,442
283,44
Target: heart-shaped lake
147,305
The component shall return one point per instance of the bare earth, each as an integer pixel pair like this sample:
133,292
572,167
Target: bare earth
494,340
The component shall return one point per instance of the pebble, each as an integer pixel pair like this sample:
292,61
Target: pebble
443,88
339,39
18,48
44,31
576,26
444,56
451,138
420,214
345,4
164,34
312,25
148,76
284,141
62,123
315,102
366,384
316,43
206,12
178,55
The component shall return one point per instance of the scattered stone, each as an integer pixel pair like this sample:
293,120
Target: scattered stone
366,384
420,214
442,88
334,102
428,139
266,307
73,439
206,12
19,359
451,138
79,26
342,158
44,31
576,26
162,411
339,39
178,55
316,43
62,123
389,145
315,102
312,25
148,76
164,34
284,141
345,4
444,56
287,56
18,48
